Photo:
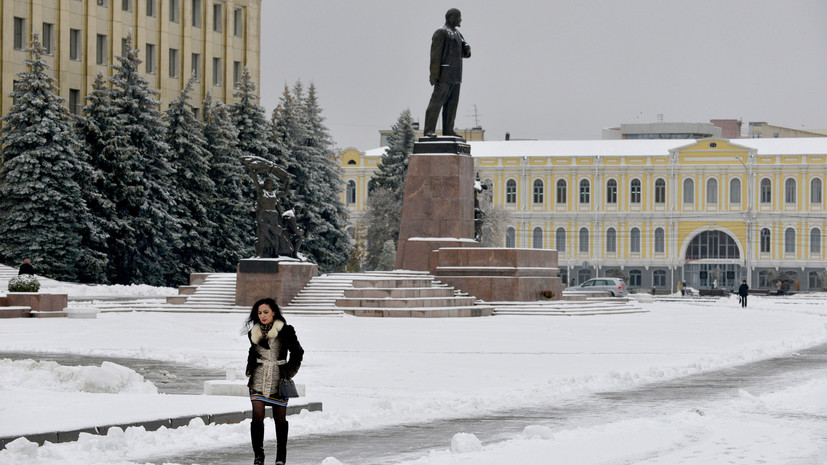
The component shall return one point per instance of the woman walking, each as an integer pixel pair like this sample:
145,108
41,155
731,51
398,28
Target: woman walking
271,339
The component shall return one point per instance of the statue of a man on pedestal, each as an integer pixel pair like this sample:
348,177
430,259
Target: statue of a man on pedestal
448,48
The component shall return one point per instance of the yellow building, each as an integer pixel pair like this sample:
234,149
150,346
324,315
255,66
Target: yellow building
656,211
213,38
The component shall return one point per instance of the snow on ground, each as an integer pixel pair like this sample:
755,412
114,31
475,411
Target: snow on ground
372,373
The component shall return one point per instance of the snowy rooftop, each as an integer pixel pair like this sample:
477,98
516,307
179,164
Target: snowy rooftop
559,148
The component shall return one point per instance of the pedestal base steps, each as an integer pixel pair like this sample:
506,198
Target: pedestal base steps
408,297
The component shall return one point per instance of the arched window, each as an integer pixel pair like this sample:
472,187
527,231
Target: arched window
350,193
688,191
660,190
537,193
510,237
583,246
611,240
585,191
634,240
815,190
659,278
537,238
351,232
813,280
634,277
734,190
560,239
766,190
660,241
611,191
712,191
561,191
789,190
815,240
712,244
634,191
789,240
765,240
511,191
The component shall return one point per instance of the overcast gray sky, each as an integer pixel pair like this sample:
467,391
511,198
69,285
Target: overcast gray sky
554,69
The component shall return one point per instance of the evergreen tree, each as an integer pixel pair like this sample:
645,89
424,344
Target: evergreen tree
141,249
387,259
231,212
42,212
194,190
386,189
250,119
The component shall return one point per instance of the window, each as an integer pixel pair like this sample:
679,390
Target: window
196,112
124,47
236,73
766,190
216,71
561,191
634,240
196,13
216,17
537,238
815,190
634,191
19,33
789,240
634,277
765,240
712,244
584,275
815,241
102,3
150,58
712,191
510,238
238,18
688,191
735,190
813,280
350,193
174,11
584,191
659,278
126,5
660,191
196,66
511,191
660,240
49,38
537,193
763,279
789,190
74,101
560,239
100,50
611,240
173,63
611,191
150,8
584,240
74,44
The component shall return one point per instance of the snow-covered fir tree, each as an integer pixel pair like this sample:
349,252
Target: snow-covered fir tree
194,190
43,215
142,248
386,189
232,213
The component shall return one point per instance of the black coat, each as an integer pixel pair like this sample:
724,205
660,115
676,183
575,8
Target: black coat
743,290
288,342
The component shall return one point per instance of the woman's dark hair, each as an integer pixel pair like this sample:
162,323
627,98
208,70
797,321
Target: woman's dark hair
253,317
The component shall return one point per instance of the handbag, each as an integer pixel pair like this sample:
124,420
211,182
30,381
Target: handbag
287,389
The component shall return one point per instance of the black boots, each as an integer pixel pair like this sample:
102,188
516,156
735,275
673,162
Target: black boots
281,442
257,438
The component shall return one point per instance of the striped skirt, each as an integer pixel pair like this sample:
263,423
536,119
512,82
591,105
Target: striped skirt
258,396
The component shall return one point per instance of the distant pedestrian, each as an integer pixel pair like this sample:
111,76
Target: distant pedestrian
680,288
715,283
743,292
26,267
797,285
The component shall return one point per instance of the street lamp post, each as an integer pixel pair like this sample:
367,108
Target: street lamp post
749,217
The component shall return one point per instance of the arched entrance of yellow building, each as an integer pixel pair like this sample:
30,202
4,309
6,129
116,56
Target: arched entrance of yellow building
713,256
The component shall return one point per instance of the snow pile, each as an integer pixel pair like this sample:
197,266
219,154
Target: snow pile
30,375
463,443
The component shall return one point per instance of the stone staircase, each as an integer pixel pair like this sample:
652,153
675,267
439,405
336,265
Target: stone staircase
588,307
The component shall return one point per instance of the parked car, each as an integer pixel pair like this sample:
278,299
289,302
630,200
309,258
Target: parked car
616,286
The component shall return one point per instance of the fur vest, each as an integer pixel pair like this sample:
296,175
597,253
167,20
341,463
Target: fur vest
264,351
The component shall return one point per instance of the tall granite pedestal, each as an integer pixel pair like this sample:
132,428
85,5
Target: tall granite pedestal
278,278
438,207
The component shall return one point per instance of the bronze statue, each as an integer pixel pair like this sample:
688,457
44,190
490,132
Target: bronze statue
277,231
448,48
